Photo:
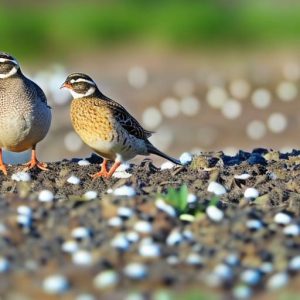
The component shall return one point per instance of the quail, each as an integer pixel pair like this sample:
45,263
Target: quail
25,116
106,126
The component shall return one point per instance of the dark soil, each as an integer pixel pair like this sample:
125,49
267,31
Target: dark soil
34,250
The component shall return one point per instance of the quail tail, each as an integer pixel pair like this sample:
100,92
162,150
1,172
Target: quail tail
153,150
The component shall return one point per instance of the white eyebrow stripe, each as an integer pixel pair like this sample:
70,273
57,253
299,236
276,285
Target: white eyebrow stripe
12,72
89,92
2,60
82,80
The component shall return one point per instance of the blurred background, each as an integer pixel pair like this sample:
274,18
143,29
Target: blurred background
205,75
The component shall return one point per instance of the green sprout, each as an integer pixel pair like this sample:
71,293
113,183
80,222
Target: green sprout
178,198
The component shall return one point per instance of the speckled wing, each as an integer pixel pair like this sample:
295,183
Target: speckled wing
127,121
40,94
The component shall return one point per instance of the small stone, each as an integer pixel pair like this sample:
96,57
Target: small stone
83,162
244,176
294,263
168,209
282,218
125,212
254,224
185,158
232,259
81,233
188,235
251,277
242,292
132,236
149,250
24,220
214,213
106,279
194,259
173,260
125,190
120,242
216,188
167,165
266,267
46,196
24,210
224,272
90,195
115,222
55,284
73,180
21,176
292,230
85,297
143,227
174,238
136,271
277,281
4,264
191,198
70,246
251,193
82,258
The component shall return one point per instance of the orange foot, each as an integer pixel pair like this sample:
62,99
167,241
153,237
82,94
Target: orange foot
103,172
3,169
35,163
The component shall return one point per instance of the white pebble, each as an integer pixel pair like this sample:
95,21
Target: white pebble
244,176
115,222
85,297
216,188
24,220
191,198
90,195
216,97
109,191
214,213
170,107
24,210
120,242
277,281
282,218
242,292
187,218
251,277
287,91
251,193
185,158
294,263
254,224
277,122
292,230
106,279
173,260
21,176
125,191
232,109
136,271
70,246
80,233
82,258
46,196
232,259
168,209
132,236
143,227
194,259
190,105
125,212
261,98
267,267
55,284
73,180
122,174
151,117
174,238
167,165
4,265
83,162
223,271
149,250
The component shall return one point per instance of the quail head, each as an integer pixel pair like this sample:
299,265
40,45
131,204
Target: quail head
25,116
106,126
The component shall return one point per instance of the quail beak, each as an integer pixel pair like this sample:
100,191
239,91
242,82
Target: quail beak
66,85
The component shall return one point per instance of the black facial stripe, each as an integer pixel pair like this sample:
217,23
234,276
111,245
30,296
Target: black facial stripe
6,56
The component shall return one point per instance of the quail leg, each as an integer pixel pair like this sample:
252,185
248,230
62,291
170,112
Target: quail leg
103,172
2,166
113,169
34,162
